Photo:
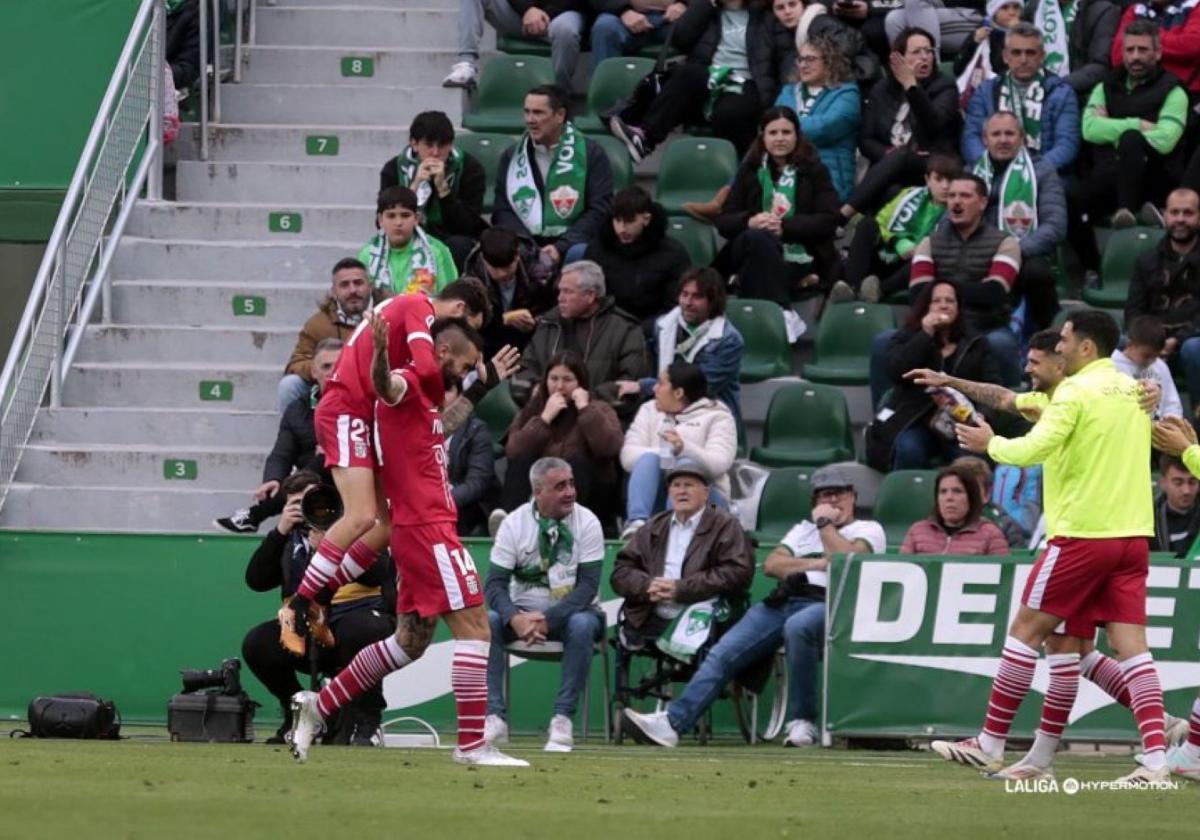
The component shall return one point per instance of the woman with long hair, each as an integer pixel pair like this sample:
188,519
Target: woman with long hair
956,525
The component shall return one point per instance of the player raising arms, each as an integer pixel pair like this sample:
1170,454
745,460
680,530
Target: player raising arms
344,421
1093,439
437,575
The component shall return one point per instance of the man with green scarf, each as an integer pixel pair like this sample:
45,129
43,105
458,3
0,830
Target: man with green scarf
449,183
402,258
543,586
554,184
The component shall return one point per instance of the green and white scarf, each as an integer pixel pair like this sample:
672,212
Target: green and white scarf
898,224
1027,107
806,99
555,544
689,630
407,164
1018,193
721,80
1054,21
552,213
779,198
422,266
695,338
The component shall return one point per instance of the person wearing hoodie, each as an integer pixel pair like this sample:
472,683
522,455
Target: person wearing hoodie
680,422
642,265
519,278
1001,14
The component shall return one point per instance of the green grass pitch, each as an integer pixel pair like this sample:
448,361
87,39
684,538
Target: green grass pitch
156,789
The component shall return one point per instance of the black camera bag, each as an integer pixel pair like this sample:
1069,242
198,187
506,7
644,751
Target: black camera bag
212,717
73,716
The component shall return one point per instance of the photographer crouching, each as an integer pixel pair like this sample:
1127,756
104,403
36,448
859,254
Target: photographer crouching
360,613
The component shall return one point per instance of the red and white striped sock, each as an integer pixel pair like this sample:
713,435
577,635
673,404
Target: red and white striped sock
366,670
323,565
1056,709
468,678
1106,673
1146,700
358,558
1012,682
1193,739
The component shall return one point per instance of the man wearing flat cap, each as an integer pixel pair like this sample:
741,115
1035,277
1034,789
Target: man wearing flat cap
793,615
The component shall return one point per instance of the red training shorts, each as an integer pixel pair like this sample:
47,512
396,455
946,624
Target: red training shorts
437,574
1090,582
343,433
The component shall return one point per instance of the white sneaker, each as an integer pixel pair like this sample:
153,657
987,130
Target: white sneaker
968,753
495,730
487,756
652,728
800,733
495,520
1175,730
307,724
631,528
1182,764
464,74
1022,771
1144,775
562,737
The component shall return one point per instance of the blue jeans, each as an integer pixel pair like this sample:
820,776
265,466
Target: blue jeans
799,624
1189,358
578,633
917,447
610,38
647,493
564,34
291,388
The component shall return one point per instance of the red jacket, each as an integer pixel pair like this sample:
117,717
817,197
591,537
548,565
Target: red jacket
1180,47
980,538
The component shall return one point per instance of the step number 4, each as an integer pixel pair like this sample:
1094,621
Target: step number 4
284,222
216,390
358,65
176,469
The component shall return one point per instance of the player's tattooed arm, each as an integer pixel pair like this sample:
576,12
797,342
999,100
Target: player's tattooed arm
389,387
980,393
414,633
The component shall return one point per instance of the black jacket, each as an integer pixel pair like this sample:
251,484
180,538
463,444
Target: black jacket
472,472
1171,296
933,109
462,209
817,205
183,44
535,291
295,443
642,275
698,32
970,46
1162,531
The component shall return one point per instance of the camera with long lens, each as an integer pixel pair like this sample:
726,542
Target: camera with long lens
321,507
226,680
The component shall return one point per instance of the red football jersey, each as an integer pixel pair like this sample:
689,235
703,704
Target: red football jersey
410,448
409,319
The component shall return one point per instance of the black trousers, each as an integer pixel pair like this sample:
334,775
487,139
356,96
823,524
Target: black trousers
735,115
863,260
1035,282
756,257
260,512
902,168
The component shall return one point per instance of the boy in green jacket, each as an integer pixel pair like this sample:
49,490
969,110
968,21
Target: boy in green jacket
402,258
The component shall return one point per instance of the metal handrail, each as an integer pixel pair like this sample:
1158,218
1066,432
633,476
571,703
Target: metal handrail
37,356
210,107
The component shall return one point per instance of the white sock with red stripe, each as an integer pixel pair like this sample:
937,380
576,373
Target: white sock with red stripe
358,558
366,670
468,678
1012,682
1146,700
1192,747
1106,673
1060,699
323,565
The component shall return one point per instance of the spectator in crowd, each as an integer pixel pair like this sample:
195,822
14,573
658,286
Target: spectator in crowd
868,17
1025,494
543,584
878,262
957,525
1176,512
338,316
1145,339
1046,106
733,71
697,331
470,467
954,24
911,113
1166,284
1025,200
361,613
182,49
589,324
560,22
295,447
1001,16
680,422
801,22
563,420
792,615
936,337
982,261
825,98
1089,40
448,182
402,258
1178,27
690,554
626,26
780,216
1133,124
520,284
548,187
642,265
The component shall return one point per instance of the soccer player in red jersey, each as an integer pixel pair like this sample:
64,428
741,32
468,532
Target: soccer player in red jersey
437,574
344,422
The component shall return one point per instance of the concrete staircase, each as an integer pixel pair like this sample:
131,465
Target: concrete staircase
169,410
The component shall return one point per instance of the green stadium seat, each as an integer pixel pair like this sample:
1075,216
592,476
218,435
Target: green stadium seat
842,349
697,238
516,45
618,160
613,79
1116,267
693,169
786,499
501,94
806,425
904,497
497,409
767,353
487,149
